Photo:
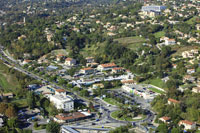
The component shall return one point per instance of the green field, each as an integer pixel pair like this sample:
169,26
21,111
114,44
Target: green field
192,20
111,101
7,81
131,42
156,82
21,103
156,90
159,34
115,113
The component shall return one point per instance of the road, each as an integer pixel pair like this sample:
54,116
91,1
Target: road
100,105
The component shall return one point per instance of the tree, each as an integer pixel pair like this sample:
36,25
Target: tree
162,128
31,100
10,112
53,127
12,123
3,107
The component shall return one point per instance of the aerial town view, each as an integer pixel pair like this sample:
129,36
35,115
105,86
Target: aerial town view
99,66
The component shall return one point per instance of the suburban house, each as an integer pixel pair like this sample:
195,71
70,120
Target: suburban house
88,70
92,64
190,71
64,102
170,42
165,119
128,88
105,67
70,117
188,78
196,89
70,62
89,59
188,125
117,69
190,54
198,26
26,62
128,81
173,101
59,57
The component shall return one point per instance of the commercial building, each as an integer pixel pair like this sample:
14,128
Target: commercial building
64,102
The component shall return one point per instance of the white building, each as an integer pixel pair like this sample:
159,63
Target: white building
70,62
64,102
188,125
128,88
170,42
88,70
104,67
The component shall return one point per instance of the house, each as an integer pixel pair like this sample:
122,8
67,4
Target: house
64,102
89,59
92,64
59,57
95,86
190,71
173,101
188,78
88,70
198,26
26,62
188,125
117,69
128,88
70,117
129,81
60,92
7,95
196,89
170,42
70,62
165,119
188,54
105,67
1,122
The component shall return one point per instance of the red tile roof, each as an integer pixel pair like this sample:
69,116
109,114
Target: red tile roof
129,81
109,65
186,122
118,68
88,68
173,100
68,59
60,90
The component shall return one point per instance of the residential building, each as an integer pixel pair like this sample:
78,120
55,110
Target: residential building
188,125
89,59
59,57
105,67
128,81
165,119
170,42
88,70
95,86
196,89
70,117
70,62
189,78
60,92
92,64
155,8
7,95
198,26
128,88
173,101
190,71
117,69
64,102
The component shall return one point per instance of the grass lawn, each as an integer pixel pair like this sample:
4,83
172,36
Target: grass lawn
156,82
192,20
159,34
111,101
131,42
7,81
115,113
21,103
156,90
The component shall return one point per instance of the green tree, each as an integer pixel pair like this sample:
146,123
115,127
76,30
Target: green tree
53,127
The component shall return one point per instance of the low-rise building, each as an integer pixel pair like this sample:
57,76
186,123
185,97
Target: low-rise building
88,70
64,102
70,62
173,101
196,89
60,92
165,119
170,42
188,125
128,81
189,78
105,67
70,117
95,86
89,59
117,69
